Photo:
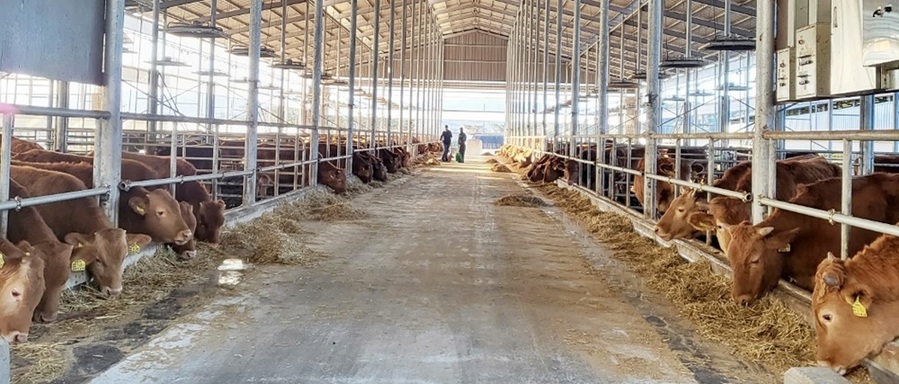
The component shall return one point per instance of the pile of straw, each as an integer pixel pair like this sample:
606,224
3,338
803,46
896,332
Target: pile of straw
521,200
492,161
500,168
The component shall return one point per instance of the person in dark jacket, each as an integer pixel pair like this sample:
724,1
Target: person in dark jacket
462,139
447,138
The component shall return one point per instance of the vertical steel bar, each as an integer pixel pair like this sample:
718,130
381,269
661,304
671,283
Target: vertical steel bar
153,98
108,142
389,68
653,115
413,66
575,76
535,48
249,188
867,123
846,197
376,57
5,155
545,68
764,105
62,127
317,88
556,121
351,94
602,89
401,127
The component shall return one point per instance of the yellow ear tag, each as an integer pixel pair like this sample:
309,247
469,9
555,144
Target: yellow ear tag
134,249
78,266
858,309
27,253
79,245
784,249
2,260
138,209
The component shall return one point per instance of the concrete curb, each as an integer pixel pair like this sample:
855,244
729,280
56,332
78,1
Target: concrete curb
813,375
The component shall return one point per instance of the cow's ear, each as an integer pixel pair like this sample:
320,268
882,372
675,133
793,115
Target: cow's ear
138,239
702,221
139,204
780,240
78,240
25,247
220,203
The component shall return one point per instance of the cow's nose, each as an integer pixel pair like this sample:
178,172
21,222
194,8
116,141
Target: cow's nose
112,291
187,235
44,317
19,337
744,299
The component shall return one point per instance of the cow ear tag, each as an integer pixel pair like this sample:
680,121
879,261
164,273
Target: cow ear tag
79,245
858,309
134,249
2,260
78,266
785,249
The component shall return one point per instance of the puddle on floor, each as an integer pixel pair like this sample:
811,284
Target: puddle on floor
231,271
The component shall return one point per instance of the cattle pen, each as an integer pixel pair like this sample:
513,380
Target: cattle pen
263,190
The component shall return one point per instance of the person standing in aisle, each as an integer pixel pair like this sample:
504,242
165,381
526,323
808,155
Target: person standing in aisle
460,157
447,139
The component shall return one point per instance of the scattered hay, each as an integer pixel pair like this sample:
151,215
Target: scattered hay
492,161
500,168
357,187
432,162
339,211
521,200
47,362
767,332
281,248
405,171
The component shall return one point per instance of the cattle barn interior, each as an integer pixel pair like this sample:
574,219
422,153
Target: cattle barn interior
647,191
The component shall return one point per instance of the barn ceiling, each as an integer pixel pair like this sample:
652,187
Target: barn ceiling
457,17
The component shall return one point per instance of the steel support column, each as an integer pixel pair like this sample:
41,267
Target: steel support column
575,76
653,101
5,154
376,58
867,124
402,130
764,107
249,189
556,120
602,85
545,68
351,95
108,143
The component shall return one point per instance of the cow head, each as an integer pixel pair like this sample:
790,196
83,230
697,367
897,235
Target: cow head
677,221
56,273
263,181
21,289
189,249
390,160
210,220
162,216
756,256
379,171
333,177
724,213
844,335
362,168
102,254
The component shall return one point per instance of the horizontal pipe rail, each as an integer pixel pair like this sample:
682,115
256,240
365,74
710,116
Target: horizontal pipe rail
833,216
18,203
126,185
885,135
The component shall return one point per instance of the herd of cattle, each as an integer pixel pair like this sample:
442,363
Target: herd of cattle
855,302
45,243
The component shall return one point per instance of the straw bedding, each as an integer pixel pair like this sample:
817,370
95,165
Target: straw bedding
768,332
500,168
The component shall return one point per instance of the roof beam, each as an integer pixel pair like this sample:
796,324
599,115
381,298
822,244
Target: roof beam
246,11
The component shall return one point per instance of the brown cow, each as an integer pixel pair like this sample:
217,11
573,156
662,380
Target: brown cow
725,212
28,225
210,214
21,288
19,145
689,170
164,224
845,338
688,214
187,250
83,224
791,245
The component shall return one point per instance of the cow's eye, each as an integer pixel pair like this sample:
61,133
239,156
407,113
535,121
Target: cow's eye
16,293
160,213
681,210
826,317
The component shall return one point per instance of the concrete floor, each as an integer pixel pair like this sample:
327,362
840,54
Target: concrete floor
438,286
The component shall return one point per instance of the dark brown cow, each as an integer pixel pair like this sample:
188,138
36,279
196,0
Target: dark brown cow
163,223
362,167
83,224
867,281
28,225
791,245
665,166
21,288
